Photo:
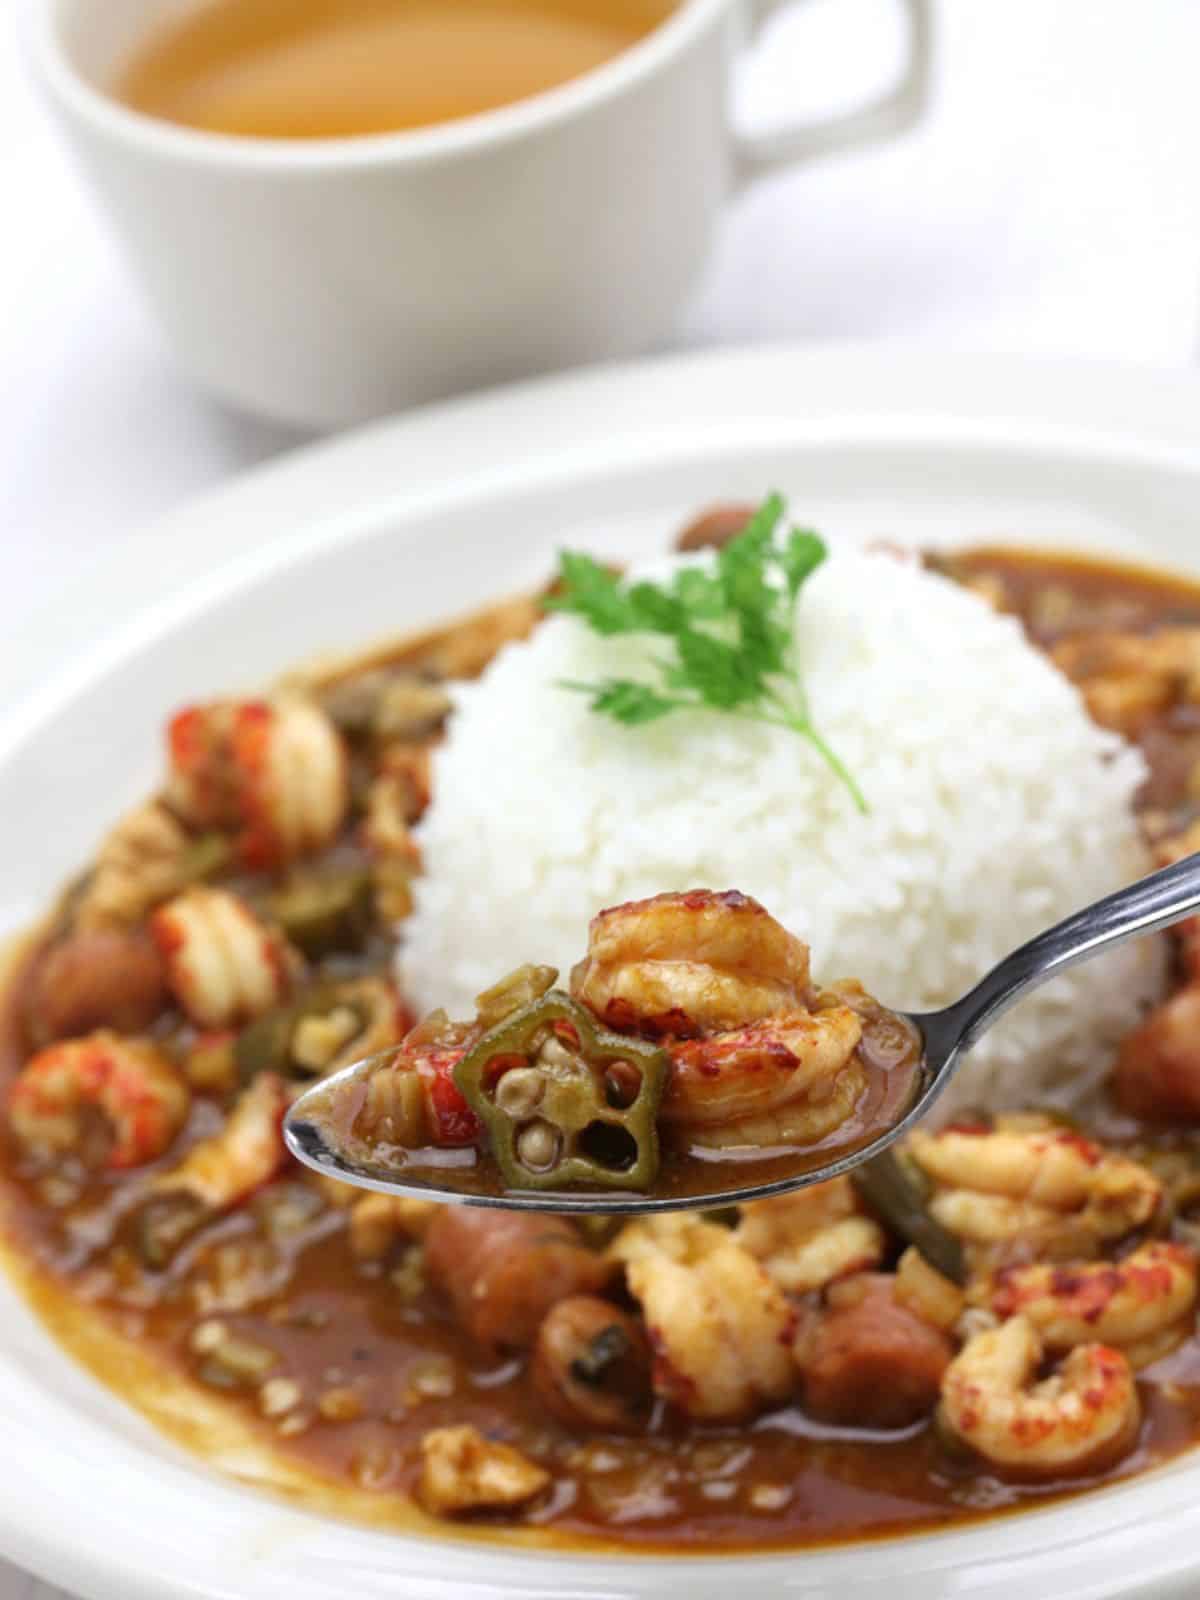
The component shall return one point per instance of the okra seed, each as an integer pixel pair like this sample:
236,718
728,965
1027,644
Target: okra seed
538,1146
519,1092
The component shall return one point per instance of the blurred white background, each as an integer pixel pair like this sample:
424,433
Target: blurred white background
1050,204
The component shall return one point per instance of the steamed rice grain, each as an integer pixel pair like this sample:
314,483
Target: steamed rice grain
996,807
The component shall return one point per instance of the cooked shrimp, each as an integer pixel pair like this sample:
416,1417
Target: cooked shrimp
1052,1167
998,1185
807,1239
920,1288
223,965
245,1154
992,1219
726,987
273,772
681,964
1082,1418
1130,1303
130,1083
790,1079
803,1122
1124,1195
719,1326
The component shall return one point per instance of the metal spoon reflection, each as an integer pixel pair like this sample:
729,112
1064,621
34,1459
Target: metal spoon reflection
1152,903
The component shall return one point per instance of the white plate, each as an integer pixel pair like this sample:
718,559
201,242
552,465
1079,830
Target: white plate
425,516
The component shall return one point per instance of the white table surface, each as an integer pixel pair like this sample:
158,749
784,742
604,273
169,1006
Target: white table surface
1050,204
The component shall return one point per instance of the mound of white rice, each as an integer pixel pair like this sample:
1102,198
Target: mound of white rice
996,807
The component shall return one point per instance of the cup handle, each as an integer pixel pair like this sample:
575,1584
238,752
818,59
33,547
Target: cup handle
894,111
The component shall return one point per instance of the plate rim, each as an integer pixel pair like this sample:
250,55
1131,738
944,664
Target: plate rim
833,386
315,498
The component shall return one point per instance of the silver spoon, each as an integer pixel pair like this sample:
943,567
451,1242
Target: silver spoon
1155,902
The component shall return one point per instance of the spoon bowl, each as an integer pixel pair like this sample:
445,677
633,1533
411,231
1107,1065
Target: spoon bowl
1158,901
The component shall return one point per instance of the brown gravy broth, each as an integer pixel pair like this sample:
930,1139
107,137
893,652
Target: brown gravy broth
322,69
1061,596
378,1359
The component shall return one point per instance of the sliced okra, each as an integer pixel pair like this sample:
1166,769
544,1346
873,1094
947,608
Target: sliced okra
563,1101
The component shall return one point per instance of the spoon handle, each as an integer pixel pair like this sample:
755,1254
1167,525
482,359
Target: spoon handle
1155,902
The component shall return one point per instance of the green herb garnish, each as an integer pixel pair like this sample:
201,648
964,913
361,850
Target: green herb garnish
729,631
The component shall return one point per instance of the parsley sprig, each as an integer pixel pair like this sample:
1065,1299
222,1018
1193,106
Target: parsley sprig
728,632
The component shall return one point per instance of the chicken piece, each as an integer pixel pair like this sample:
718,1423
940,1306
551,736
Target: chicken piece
462,1471
807,1239
210,1062
503,1270
247,1152
364,1018
143,861
719,1327
869,1361
102,977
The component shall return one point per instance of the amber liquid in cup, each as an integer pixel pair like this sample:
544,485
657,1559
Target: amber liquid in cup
319,69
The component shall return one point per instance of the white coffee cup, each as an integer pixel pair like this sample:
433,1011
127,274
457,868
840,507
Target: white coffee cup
322,282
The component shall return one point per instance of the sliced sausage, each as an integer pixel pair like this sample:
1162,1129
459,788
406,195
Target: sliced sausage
502,1271
591,1364
870,1362
715,528
1158,1070
96,978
